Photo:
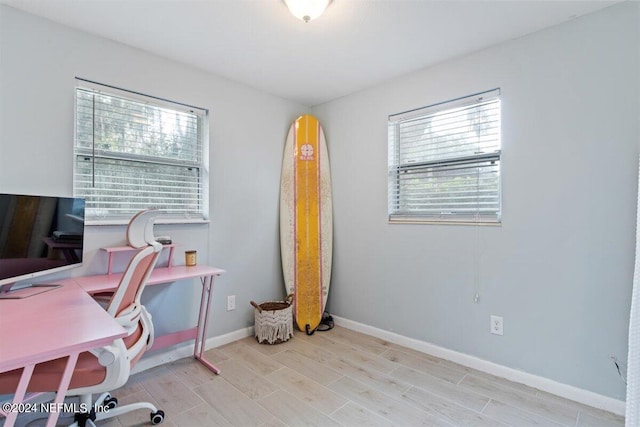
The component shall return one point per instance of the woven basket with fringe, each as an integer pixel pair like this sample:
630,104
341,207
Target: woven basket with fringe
273,321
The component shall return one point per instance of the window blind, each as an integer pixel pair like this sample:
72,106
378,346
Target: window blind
135,152
444,162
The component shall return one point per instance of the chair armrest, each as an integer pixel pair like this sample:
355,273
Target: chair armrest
107,355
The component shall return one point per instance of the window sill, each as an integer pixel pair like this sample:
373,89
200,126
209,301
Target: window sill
161,221
444,222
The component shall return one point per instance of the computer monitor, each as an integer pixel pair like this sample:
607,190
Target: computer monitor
39,235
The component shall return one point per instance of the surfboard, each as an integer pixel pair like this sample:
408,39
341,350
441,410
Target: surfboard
306,221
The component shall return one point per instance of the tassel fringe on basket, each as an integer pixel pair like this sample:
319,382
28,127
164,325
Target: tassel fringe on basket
273,321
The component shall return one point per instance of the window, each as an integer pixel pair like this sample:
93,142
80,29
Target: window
134,152
444,162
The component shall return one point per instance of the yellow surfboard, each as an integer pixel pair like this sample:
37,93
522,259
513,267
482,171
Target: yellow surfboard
306,221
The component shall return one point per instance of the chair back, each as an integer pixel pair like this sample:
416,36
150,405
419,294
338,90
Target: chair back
139,235
125,305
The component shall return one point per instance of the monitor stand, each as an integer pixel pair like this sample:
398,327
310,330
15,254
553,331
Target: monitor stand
24,291
6,288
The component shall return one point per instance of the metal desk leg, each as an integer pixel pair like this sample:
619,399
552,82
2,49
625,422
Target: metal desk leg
203,320
63,387
27,372
18,397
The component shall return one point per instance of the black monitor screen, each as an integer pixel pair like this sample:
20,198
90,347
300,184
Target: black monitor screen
39,235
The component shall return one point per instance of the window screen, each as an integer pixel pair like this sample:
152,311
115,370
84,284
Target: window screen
444,162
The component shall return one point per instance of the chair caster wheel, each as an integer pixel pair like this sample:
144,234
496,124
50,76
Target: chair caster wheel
82,418
157,417
110,403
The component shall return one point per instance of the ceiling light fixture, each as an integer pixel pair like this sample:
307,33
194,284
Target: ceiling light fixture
307,9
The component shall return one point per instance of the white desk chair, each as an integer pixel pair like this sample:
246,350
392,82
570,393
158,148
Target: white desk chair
109,367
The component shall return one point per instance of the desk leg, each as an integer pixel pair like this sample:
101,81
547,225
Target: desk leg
62,388
203,320
18,397
27,372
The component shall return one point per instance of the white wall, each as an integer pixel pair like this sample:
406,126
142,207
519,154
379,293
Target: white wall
559,269
38,63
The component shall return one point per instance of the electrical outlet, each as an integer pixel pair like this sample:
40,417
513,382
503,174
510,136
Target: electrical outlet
497,325
231,302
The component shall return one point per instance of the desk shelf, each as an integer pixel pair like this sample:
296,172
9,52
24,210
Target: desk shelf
168,274
113,249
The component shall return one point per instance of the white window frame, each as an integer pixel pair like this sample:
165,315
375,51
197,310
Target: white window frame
196,212
420,165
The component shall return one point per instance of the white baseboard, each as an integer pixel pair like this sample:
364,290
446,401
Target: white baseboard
183,350
559,389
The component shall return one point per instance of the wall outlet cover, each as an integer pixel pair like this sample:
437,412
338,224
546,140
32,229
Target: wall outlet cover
231,302
497,325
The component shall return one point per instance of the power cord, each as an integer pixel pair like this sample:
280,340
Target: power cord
326,324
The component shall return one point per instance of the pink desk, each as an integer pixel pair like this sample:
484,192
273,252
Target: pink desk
206,274
59,323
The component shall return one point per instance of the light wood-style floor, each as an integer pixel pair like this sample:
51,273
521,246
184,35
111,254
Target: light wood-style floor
341,378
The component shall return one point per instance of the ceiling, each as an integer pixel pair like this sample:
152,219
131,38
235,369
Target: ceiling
354,45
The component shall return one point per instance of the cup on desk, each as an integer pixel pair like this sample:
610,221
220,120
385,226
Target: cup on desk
190,258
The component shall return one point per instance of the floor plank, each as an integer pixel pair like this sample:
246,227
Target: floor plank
553,410
250,383
294,412
354,415
423,365
517,417
312,369
312,393
234,405
448,410
369,376
393,409
453,392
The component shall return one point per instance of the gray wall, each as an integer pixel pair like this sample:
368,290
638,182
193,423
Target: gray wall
38,62
559,269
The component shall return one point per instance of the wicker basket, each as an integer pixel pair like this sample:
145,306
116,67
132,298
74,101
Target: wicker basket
273,321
